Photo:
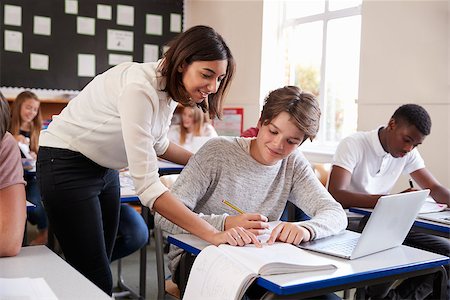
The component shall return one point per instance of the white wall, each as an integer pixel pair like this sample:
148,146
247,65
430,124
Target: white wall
404,59
240,24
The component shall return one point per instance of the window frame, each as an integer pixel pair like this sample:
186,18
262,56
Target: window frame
320,150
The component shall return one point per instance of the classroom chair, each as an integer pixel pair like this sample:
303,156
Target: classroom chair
166,288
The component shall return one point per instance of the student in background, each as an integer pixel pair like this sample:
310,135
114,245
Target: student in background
193,123
121,119
26,124
12,189
367,165
259,175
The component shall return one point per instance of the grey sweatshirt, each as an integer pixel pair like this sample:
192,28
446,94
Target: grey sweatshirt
223,169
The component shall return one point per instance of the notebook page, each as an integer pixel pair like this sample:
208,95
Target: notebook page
279,258
215,275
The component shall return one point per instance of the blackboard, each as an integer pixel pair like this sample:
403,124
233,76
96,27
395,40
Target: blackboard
62,47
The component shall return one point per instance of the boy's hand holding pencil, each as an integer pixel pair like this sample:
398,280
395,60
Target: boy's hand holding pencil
253,222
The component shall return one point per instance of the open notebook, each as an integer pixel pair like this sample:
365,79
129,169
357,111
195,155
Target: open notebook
440,217
225,272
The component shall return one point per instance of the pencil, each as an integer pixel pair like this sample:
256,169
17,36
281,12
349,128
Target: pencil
411,185
233,207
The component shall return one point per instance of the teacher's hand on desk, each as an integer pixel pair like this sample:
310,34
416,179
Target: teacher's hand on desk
237,236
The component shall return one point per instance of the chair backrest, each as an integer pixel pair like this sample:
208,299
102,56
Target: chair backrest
322,171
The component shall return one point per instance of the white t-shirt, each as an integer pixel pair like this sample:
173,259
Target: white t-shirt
373,170
192,143
120,119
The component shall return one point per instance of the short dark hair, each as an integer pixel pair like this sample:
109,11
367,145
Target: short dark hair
5,116
414,114
199,43
303,108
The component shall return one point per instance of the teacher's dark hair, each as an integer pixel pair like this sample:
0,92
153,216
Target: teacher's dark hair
199,43
4,116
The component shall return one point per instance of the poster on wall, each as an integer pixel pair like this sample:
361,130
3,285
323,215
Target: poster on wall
232,122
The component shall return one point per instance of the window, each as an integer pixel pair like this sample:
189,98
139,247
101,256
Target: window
321,43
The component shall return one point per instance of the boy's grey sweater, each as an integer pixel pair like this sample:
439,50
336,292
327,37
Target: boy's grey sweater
223,169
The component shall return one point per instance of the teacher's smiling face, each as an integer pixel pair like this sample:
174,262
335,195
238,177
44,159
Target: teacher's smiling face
202,78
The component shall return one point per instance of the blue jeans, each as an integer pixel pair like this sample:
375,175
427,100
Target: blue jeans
82,200
132,234
35,215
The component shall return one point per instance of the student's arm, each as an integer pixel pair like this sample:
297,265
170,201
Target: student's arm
12,219
175,211
21,138
176,154
338,187
426,180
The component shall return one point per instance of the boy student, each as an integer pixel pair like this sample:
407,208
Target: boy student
259,175
367,164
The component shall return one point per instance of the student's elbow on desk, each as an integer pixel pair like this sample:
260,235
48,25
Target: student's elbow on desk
10,249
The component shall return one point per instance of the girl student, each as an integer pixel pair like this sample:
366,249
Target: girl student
26,123
193,124
121,119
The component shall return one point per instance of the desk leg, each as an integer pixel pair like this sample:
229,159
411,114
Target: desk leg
442,284
143,256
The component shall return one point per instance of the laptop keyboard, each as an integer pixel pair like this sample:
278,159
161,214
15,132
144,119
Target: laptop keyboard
343,247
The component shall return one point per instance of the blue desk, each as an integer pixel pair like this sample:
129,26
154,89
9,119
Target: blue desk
421,225
397,263
168,168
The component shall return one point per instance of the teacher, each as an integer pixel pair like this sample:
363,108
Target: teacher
121,119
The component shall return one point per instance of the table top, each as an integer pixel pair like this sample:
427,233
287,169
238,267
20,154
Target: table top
41,262
393,261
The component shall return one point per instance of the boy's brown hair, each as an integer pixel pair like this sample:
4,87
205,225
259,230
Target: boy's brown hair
303,108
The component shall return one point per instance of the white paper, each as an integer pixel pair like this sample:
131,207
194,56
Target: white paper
153,24
120,40
26,288
175,23
39,61
85,25
71,7
104,12
125,15
115,59
151,52
165,48
42,25
86,65
13,41
126,184
13,15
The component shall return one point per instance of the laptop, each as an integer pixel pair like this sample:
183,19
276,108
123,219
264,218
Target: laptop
386,228
440,217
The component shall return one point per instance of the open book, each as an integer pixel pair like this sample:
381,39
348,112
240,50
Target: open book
225,272
430,206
